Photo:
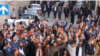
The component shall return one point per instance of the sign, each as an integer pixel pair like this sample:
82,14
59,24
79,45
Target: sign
4,9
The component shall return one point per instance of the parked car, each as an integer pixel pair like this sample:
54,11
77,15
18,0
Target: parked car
34,12
77,7
24,19
37,6
26,16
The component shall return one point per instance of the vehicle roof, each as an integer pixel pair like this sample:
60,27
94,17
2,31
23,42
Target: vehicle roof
32,8
30,14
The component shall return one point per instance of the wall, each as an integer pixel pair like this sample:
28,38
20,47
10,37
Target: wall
13,4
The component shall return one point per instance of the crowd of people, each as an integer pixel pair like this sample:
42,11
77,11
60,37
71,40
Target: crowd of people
39,39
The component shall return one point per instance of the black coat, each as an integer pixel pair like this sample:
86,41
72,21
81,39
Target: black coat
66,10
77,51
80,15
32,49
18,54
43,9
72,17
25,50
89,49
89,12
49,8
56,8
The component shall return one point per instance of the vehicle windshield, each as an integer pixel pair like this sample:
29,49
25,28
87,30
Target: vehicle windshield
78,5
26,16
32,11
79,0
35,6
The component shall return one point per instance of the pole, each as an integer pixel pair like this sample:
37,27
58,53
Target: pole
3,15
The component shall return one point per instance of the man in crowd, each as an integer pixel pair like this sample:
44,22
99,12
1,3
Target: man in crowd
20,12
55,9
13,14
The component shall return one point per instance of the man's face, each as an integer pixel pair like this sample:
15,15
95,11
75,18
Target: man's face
17,31
80,43
6,21
39,44
8,45
59,42
14,39
36,28
72,45
62,24
36,41
52,37
21,44
8,35
20,8
47,46
8,29
54,44
13,27
89,42
99,43
17,52
74,30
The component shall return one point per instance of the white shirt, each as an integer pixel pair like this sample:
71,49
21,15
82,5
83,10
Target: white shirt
25,11
80,51
37,52
13,14
9,40
21,51
55,8
44,8
52,41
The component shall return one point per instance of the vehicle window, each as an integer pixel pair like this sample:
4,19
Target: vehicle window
35,6
32,11
26,16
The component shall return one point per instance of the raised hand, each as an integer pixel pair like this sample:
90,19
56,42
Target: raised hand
86,27
14,21
0,26
29,17
66,19
57,19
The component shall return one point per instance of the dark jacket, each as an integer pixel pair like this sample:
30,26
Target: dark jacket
56,9
18,54
1,53
89,49
32,49
49,8
25,50
89,12
43,9
66,10
7,52
80,15
77,51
